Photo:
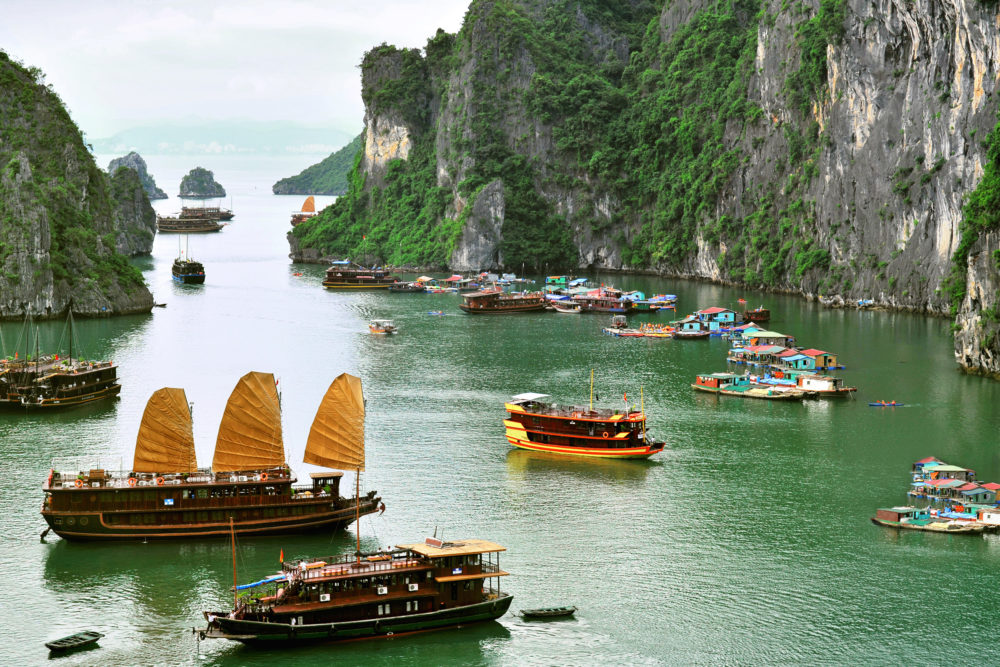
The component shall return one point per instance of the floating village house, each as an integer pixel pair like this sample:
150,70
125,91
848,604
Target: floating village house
716,318
822,360
738,335
770,338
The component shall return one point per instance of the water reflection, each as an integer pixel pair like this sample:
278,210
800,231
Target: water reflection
522,464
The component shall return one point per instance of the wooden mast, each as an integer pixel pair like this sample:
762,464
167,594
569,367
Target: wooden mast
642,411
357,509
236,593
591,389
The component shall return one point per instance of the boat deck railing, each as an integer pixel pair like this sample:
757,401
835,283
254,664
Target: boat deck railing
575,411
348,564
77,472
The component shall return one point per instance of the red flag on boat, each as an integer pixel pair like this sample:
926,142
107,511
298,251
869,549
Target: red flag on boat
741,301
281,556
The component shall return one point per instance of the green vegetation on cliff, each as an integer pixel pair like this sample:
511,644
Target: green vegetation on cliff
657,118
200,182
981,214
328,177
55,203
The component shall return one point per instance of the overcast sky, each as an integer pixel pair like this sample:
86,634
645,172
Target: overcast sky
121,64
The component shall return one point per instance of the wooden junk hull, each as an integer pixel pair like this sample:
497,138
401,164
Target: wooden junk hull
505,309
187,225
598,447
95,526
255,632
55,402
358,284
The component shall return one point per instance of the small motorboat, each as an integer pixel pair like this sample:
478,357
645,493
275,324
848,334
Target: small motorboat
548,612
435,312
565,308
885,404
384,327
72,642
680,334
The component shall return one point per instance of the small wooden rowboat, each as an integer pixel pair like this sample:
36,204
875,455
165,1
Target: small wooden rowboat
548,612
79,640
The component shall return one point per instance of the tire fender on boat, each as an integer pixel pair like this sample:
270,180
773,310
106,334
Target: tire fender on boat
604,435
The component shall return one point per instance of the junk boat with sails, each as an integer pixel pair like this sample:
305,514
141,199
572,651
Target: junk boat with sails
412,588
166,494
308,211
48,382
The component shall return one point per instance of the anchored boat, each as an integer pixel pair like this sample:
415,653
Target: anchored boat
411,588
166,495
731,384
83,639
345,275
187,225
308,211
583,431
496,302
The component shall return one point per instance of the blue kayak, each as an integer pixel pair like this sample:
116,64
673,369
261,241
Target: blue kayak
886,405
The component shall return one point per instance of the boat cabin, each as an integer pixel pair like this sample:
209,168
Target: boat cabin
900,513
722,380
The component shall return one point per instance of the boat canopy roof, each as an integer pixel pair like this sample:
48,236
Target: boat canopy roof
457,548
337,436
944,467
165,442
325,474
523,398
578,282
250,431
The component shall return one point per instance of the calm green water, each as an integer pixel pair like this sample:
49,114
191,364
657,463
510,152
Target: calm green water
746,541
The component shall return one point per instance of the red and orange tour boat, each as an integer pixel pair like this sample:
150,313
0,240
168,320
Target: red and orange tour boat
583,431
495,301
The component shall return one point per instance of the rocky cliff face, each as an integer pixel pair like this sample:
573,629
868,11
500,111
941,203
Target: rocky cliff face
824,148
977,347
60,217
135,162
200,182
134,217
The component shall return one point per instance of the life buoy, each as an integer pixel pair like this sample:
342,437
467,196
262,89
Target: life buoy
78,483
604,435
131,481
263,477
159,481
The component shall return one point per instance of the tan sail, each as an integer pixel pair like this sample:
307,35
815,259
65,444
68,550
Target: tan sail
250,430
337,436
166,440
309,206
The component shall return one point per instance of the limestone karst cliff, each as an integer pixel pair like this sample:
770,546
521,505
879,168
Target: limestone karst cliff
61,219
824,148
135,162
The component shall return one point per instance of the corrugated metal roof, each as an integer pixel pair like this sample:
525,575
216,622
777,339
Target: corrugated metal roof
949,468
930,459
714,309
992,486
968,487
812,352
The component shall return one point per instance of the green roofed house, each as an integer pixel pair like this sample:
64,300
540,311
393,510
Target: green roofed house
770,338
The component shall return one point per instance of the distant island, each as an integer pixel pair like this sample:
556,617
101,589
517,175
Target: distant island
328,177
200,182
135,162
226,136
